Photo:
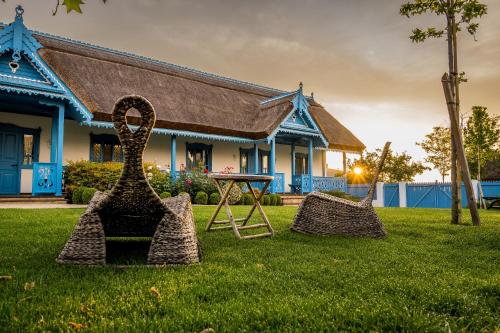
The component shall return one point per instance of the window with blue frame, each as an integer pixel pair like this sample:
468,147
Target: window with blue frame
264,158
198,155
105,148
247,160
301,164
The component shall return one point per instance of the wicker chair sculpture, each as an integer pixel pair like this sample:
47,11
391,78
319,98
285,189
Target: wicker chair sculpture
323,214
132,208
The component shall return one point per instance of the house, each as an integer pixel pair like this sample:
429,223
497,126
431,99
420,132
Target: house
57,94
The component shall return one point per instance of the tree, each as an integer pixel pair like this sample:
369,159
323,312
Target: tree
397,168
459,14
481,139
437,145
71,5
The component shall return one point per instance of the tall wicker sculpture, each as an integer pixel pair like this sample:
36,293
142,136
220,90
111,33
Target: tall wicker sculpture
133,209
323,214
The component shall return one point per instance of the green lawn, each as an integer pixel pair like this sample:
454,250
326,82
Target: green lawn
426,276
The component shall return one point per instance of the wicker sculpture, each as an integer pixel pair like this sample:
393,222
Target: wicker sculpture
323,214
133,209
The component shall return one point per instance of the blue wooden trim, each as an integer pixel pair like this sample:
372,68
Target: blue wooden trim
188,134
173,157
256,158
44,180
310,166
53,140
60,141
275,98
300,104
292,158
18,39
272,164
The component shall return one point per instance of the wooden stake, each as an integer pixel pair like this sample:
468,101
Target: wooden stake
458,142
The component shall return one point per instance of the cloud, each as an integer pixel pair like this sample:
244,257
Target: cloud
355,55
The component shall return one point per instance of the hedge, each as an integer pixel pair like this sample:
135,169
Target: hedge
214,199
87,195
201,198
165,195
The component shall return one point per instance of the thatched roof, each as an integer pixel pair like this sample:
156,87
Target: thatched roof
184,99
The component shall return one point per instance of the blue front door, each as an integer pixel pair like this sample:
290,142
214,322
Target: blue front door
10,154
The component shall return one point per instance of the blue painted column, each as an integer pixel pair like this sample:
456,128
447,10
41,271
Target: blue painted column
59,154
53,140
256,159
292,158
173,156
310,156
272,164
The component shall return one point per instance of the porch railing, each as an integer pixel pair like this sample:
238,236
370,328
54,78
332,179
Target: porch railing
44,178
279,183
301,184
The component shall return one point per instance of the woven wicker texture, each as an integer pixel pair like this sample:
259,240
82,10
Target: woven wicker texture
133,209
323,214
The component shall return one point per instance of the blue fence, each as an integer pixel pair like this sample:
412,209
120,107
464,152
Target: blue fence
491,189
391,195
360,190
424,195
430,195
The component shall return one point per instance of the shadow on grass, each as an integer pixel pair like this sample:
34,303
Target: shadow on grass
127,251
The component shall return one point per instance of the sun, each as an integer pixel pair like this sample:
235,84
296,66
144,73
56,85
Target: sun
358,171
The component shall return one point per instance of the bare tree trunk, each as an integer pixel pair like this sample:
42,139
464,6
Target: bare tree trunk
457,110
455,200
450,101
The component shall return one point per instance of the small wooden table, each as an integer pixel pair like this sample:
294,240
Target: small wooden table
233,179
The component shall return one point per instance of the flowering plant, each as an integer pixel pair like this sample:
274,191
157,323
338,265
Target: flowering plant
227,169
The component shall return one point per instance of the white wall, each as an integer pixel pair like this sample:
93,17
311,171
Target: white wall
77,147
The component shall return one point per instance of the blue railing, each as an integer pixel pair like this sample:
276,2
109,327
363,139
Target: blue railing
44,178
301,184
279,183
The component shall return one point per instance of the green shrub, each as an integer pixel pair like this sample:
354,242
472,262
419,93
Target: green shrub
266,200
201,198
249,200
194,181
343,195
214,198
87,195
279,201
273,200
102,176
181,193
165,195
76,197
161,182
246,199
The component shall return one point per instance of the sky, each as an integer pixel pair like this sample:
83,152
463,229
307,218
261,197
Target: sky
355,55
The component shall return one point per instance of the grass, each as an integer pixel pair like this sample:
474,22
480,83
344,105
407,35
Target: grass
426,276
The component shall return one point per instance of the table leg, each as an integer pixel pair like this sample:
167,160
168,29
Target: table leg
257,200
259,207
224,196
